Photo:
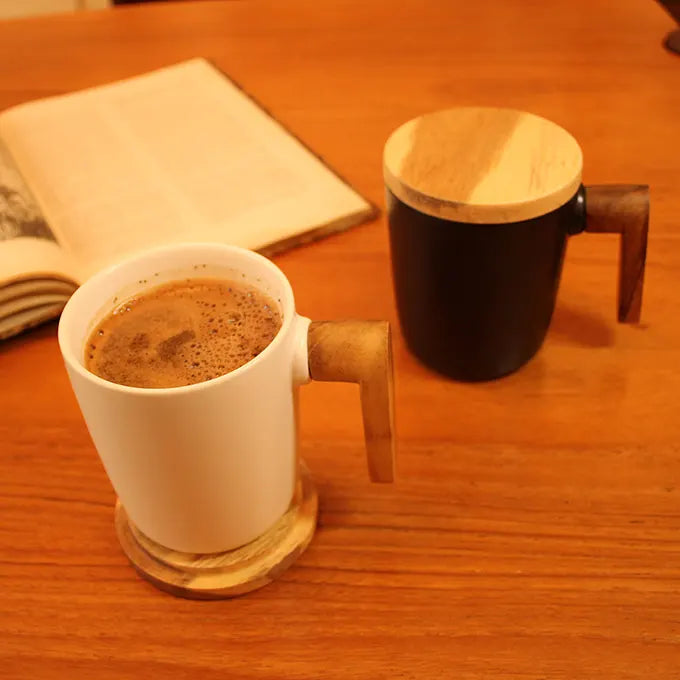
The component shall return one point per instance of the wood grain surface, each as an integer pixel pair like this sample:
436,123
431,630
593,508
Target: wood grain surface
534,528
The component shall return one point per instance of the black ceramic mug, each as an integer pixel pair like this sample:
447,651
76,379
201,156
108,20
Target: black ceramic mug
480,204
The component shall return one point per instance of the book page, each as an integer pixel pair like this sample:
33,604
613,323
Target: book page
35,288
28,247
29,318
33,301
180,154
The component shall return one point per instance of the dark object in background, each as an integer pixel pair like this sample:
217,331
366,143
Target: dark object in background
672,41
480,204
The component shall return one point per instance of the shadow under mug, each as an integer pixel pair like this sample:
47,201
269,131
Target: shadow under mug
475,300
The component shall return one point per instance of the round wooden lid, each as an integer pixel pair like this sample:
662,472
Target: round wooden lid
482,165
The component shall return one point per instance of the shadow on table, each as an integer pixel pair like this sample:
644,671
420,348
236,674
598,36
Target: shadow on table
581,328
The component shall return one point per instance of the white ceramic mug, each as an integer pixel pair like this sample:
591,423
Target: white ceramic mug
209,467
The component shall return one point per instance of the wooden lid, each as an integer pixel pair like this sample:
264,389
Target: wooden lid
482,165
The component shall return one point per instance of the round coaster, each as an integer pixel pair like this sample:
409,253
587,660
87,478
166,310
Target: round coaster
230,573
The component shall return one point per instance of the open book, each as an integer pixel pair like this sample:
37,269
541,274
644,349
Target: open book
179,154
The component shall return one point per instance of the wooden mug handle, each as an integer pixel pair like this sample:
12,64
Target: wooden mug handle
623,209
361,352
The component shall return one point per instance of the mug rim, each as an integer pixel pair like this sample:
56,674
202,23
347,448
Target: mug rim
71,308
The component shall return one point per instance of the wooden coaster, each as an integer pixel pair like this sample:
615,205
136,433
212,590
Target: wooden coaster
230,573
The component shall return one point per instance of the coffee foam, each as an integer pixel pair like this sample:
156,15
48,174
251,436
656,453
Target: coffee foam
182,333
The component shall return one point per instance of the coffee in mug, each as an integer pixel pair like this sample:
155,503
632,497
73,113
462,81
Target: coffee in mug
182,333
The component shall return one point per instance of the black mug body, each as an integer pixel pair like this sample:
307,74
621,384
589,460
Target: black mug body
475,300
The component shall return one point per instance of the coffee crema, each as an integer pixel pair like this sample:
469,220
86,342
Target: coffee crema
182,333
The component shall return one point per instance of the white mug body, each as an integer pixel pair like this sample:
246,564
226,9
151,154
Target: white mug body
207,467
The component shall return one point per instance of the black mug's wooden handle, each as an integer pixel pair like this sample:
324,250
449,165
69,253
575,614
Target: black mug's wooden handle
623,209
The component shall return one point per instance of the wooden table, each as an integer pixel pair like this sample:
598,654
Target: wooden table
534,531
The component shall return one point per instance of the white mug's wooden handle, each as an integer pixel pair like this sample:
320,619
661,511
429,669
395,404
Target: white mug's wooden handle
361,352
